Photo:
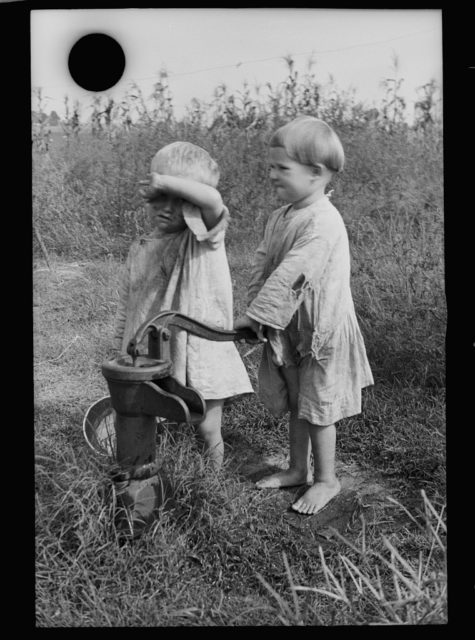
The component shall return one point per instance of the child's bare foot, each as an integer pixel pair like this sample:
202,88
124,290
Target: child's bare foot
289,478
316,497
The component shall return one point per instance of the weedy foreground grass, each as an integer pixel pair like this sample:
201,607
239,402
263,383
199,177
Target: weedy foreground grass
224,555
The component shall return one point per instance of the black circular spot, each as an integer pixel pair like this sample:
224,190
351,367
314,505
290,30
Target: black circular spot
96,62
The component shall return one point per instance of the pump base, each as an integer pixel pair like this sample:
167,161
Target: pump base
139,500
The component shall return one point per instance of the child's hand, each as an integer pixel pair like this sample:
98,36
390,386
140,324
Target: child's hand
154,185
245,321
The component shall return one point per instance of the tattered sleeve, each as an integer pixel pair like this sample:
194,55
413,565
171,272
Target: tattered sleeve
257,274
283,291
194,221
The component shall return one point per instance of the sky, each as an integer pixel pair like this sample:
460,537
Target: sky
202,48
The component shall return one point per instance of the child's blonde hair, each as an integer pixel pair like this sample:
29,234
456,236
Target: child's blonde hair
310,141
186,160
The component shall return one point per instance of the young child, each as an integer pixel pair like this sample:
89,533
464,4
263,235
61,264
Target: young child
300,304
183,266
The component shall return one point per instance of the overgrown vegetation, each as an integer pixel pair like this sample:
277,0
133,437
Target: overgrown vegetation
224,555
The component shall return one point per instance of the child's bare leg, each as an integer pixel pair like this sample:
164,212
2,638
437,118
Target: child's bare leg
326,485
299,442
209,431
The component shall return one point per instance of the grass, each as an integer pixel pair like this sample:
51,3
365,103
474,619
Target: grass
224,556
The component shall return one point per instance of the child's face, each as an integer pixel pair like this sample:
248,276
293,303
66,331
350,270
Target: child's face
166,213
292,181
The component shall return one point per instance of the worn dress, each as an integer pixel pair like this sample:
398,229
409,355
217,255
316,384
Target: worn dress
300,289
185,271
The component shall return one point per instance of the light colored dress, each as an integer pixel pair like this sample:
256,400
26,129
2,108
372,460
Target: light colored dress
300,289
185,271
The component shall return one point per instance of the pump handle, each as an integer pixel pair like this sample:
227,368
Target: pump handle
173,318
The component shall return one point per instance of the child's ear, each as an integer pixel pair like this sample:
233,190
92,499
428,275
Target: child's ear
322,171
317,170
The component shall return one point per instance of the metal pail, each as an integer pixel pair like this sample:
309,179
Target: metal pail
99,428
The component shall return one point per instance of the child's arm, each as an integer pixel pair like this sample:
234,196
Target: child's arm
256,281
207,198
257,278
283,291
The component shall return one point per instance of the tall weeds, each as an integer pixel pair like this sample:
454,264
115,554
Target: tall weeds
91,169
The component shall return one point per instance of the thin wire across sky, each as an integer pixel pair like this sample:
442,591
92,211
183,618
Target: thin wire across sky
314,52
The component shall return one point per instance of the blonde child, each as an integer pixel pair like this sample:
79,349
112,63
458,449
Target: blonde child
300,304
183,266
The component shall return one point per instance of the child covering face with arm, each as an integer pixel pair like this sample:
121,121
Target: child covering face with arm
203,196
182,266
314,361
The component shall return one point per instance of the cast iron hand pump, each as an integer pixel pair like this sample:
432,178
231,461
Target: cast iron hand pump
143,388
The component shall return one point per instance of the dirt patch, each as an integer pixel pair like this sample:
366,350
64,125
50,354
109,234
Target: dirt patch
367,485
362,491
